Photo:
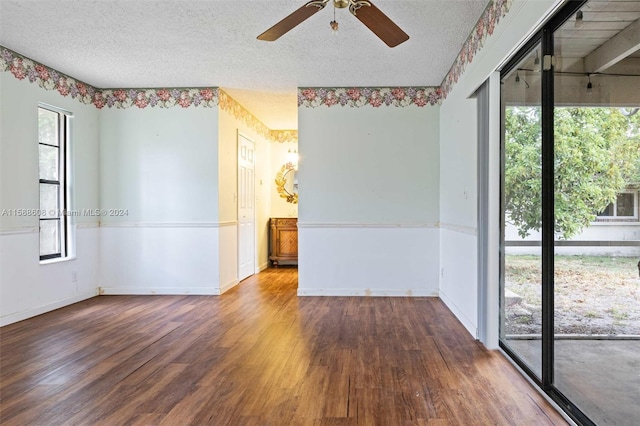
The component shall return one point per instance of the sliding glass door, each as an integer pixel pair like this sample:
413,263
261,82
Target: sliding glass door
570,312
521,325
596,250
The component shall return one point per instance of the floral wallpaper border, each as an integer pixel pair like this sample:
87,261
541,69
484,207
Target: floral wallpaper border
312,97
495,10
163,98
50,79
284,136
209,97
230,105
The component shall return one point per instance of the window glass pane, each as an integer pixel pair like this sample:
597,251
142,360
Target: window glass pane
521,316
608,211
49,237
624,203
48,162
47,127
595,305
49,200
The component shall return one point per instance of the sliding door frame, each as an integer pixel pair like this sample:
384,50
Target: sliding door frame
544,37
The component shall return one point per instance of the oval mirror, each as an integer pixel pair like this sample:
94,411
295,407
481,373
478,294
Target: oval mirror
287,183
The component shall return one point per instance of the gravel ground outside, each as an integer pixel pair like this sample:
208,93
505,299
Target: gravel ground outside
594,295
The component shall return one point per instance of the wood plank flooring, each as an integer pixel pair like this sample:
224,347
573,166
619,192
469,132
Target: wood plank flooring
258,355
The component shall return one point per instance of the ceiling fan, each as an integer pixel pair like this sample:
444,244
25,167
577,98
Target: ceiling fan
364,10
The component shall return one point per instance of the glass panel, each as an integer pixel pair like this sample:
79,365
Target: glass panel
49,200
608,211
48,162
49,237
521,311
624,205
597,314
48,127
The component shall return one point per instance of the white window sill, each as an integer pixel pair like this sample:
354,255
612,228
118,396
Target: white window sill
631,221
57,260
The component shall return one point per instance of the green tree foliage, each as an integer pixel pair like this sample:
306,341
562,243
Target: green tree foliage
597,152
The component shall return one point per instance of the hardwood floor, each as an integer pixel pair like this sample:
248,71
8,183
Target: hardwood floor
258,355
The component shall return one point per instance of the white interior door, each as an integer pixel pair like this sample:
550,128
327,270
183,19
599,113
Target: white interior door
246,208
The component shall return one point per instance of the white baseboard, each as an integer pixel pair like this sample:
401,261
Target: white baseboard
224,288
165,291
19,316
366,292
264,266
466,322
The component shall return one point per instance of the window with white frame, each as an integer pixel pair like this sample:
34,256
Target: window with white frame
52,147
625,207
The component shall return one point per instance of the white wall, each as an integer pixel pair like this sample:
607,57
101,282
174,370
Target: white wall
263,201
458,159
161,165
279,205
28,288
368,226
458,210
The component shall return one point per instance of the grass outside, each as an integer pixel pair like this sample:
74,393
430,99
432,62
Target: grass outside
593,295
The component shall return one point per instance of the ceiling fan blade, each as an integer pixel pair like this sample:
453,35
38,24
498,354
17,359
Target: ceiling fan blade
380,24
291,21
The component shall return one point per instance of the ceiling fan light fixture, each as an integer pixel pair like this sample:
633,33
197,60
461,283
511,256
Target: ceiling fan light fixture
334,24
368,14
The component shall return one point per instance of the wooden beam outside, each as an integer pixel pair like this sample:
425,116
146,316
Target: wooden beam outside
614,50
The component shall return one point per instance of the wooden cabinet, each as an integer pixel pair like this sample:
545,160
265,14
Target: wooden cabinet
283,240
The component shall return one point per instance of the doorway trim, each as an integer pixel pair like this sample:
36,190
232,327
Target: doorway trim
488,169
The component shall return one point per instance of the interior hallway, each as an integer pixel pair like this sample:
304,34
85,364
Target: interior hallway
258,355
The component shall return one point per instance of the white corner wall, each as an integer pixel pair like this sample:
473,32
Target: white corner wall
161,166
28,288
369,224
458,160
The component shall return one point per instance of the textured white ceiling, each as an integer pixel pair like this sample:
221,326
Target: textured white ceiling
192,43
